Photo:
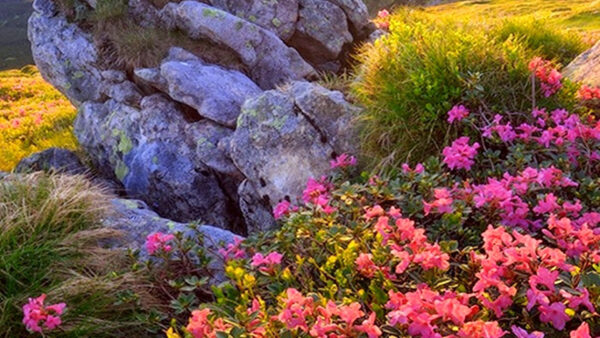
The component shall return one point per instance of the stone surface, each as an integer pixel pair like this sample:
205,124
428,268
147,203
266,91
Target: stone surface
257,211
64,54
53,159
269,60
277,16
278,145
173,165
586,67
321,31
136,221
214,92
358,16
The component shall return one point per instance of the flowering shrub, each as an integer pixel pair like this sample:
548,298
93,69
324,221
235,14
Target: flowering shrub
495,237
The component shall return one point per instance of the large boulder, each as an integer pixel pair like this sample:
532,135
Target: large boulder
269,60
586,67
64,54
214,92
136,221
173,165
285,137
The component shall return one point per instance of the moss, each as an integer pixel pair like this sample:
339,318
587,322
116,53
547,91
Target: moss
276,22
121,170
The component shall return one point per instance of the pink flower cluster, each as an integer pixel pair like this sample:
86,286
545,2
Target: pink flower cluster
283,208
317,193
37,316
407,244
514,260
589,93
383,20
460,155
233,250
266,263
200,326
343,161
157,242
549,77
303,313
457,113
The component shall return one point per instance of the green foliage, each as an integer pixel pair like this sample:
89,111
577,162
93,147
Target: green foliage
49,244
548,40
410,78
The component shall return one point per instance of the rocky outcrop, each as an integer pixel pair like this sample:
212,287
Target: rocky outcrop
200,141
270,61
136,221
64,54
215,93
586,67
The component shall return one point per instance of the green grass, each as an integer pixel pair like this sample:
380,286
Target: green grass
49,233
33,116
409,79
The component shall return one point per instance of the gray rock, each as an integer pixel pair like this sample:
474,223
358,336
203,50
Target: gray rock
321,31
144,13
277,16
214,92
257,212
65,56
270,61
278,146
173,165
45,7
136,221
53,159
586,67
358,16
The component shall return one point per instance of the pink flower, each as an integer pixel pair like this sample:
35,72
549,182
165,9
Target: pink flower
296,309
481,329
266,263
36,315
521,333
419,168
554,313
384,13
368,326
342,161
365,266
460,155
158,241
198,325
283,208
588,93
457,113
350,313
583,331
233,250
442,204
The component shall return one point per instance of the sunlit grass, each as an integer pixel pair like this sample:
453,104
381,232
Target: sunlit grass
579,15
33,116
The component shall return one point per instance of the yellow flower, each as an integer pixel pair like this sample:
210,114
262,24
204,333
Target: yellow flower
172,334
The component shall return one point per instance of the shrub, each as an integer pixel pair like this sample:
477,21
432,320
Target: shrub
410,78
33,116
497,235
49,234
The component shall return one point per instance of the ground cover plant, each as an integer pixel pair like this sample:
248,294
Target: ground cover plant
33,116
431,61
496,236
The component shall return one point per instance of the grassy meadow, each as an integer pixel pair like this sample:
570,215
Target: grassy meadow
33,116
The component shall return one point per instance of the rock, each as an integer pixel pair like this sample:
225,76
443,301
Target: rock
269,60
278,146
53,159
358,17
144,13
45,7
136,221
257,212
173,165
64,54
586,67
277,16
214,92
321,31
